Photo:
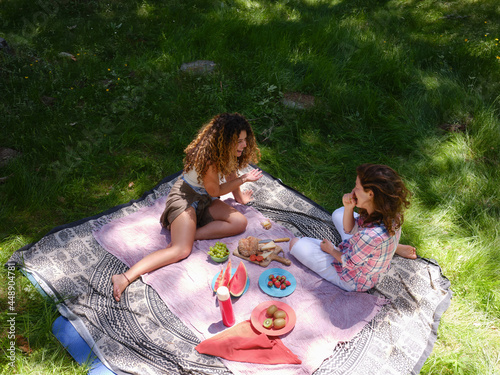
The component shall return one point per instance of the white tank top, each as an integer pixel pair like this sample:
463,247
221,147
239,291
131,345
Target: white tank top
192,178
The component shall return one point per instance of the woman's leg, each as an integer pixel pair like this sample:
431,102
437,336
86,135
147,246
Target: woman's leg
308,252
183,230
227,222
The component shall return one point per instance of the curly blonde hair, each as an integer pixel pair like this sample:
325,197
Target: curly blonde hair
390,195
215,145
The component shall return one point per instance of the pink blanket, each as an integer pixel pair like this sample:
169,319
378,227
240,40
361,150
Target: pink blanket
325,313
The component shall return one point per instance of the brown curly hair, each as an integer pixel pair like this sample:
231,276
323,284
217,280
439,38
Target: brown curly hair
215,145
390,195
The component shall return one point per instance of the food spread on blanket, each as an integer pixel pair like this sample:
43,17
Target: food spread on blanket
261,252
270,317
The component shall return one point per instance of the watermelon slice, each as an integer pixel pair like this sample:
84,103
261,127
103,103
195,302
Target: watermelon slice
218,280
238,282
227,275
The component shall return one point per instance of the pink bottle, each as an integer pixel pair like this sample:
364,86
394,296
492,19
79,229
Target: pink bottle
226,307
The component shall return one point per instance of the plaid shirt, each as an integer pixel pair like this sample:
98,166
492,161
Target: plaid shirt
366,255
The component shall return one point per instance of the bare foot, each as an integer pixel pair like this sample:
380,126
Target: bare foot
120,282
406,251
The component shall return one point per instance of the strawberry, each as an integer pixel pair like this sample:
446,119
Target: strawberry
271,276
270,283
283,286
288,283
277,284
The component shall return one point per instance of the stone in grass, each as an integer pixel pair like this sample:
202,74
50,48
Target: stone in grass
297,100
4,47
48,100
198,67
6,155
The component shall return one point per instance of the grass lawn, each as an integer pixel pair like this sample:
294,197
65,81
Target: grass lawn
94,102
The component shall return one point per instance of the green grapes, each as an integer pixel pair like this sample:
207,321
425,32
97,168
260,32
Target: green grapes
219,250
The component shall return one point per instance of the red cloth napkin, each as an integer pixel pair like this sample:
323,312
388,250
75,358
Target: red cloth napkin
243,343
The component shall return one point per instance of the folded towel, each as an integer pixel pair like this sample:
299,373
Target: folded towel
243,343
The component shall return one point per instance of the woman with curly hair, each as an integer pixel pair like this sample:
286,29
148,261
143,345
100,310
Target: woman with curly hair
369,239
193,211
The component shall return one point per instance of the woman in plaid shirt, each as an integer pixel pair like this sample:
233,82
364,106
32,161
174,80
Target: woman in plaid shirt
370,238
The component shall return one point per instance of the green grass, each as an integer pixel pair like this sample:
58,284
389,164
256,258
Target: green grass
388,76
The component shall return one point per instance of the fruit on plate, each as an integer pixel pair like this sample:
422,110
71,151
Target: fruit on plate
271,310
279,314
238,282
227,275
279,281
279,323
275,318
268,323
218,280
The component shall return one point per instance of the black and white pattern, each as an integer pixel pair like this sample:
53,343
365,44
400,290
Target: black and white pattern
142,336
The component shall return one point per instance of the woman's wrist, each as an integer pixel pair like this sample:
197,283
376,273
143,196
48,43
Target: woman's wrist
242,178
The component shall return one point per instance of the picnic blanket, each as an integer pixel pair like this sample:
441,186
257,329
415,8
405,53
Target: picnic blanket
326,314
142,334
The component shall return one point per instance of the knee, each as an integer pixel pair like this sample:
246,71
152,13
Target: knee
338,215
298,247
182,253
239,223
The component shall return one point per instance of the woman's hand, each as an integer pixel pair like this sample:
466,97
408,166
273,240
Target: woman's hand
327,246
245,197
330,248
233,184
348,221
253,175
349,201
